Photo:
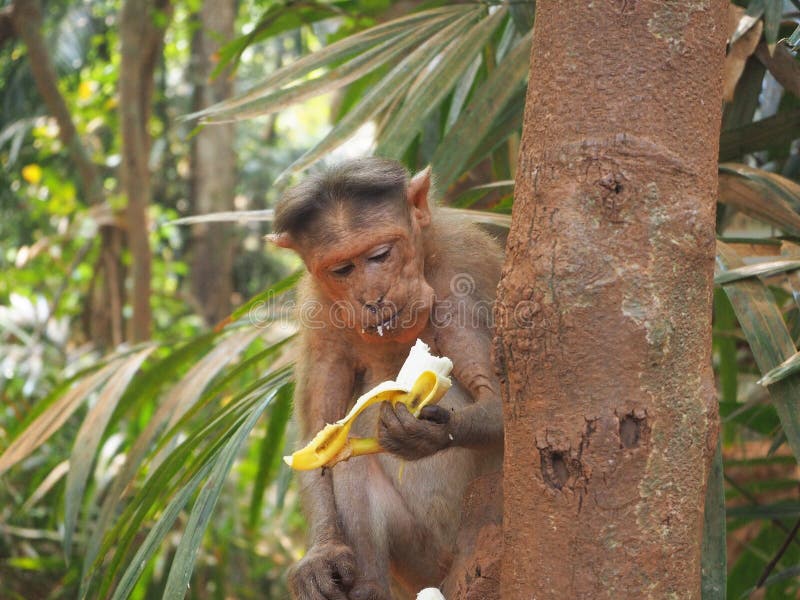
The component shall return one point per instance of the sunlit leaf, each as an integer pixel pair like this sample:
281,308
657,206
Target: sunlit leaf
53,477
363,64
342,49
788,367
54,417
277,19
762,269
755,9
233,216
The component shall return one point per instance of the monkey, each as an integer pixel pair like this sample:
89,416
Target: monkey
384,269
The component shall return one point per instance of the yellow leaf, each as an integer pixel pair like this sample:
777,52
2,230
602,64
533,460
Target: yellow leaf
32,173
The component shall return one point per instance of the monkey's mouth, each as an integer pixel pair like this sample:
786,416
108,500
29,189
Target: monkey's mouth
387,325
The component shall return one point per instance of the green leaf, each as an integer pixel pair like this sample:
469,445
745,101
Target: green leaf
461,92
195,454
89,436
794,40
182,395
777,131
156,535
390,89
714,556
183,563
434,84
523,13
278,19
773,10
725,346
778,510
788,367
269,453
263,298
477,118
763,325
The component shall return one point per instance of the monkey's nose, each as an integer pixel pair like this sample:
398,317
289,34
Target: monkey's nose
374,306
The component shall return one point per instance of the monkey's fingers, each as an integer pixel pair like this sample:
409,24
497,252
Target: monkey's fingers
435,414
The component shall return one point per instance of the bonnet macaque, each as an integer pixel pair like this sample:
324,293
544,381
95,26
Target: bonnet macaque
384,268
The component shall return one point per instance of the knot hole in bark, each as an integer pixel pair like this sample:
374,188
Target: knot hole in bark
559,469
633,429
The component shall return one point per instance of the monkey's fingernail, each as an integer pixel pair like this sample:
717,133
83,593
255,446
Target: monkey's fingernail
450,435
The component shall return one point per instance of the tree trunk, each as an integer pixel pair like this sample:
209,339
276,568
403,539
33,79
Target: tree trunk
213,167
142,25
604,310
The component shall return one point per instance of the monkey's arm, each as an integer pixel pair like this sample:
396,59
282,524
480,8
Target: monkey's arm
478,425
324,386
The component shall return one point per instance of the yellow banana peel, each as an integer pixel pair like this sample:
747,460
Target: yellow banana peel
422,380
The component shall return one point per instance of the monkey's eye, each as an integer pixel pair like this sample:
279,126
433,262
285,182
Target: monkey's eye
343,270
381,255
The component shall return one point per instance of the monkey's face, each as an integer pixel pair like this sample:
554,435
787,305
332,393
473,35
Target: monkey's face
375,279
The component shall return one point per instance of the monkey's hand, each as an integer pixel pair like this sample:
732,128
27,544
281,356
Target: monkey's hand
411,438
326,572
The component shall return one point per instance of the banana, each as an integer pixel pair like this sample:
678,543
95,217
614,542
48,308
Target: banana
423,379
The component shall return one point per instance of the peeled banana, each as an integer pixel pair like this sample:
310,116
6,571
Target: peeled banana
423,379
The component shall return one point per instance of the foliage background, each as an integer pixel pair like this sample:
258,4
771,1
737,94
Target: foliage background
136,468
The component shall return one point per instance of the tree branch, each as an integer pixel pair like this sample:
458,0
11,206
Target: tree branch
7,31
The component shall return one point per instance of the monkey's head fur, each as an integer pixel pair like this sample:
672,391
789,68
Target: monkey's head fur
360,228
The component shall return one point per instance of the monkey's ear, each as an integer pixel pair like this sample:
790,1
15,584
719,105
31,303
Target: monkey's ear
418,189
282,240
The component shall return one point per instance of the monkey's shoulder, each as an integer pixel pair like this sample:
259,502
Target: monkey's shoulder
467,260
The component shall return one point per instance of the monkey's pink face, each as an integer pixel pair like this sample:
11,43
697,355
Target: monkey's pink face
376,280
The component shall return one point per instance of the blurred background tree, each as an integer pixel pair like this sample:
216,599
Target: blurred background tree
135,403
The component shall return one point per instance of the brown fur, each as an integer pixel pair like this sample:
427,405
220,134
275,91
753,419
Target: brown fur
381,522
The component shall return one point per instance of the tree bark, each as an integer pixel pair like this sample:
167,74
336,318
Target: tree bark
604,309
142,26
213,167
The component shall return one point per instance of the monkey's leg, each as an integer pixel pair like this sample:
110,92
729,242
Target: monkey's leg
361,505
